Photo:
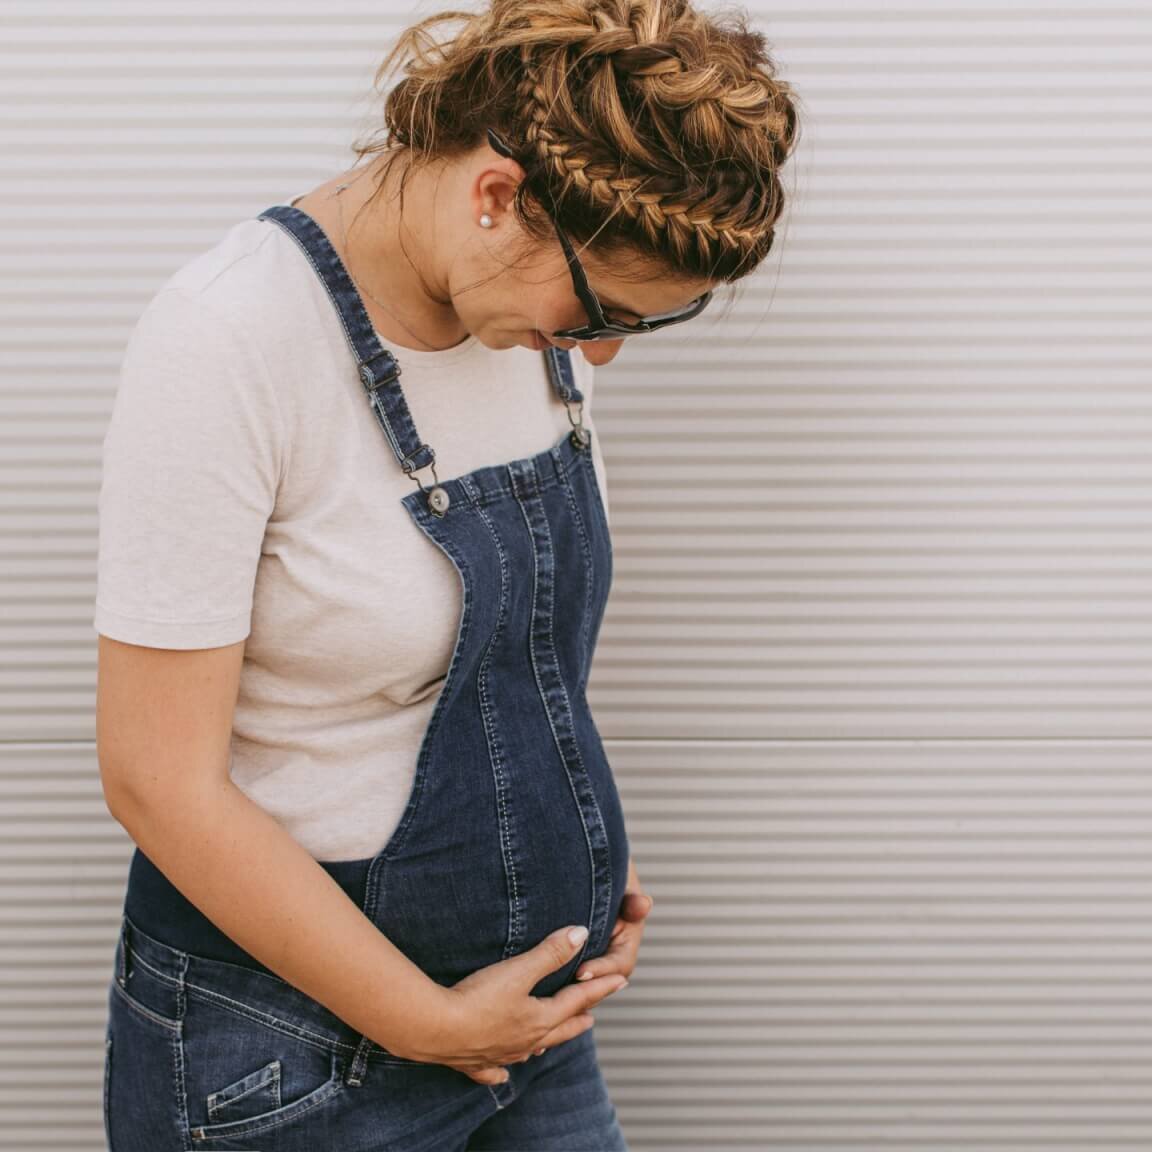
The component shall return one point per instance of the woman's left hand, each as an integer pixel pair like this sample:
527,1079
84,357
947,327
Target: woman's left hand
626,935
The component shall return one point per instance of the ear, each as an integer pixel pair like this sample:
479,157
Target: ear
494,189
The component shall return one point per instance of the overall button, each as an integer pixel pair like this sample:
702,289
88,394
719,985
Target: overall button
438,501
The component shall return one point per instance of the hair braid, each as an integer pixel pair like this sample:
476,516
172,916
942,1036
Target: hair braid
641,123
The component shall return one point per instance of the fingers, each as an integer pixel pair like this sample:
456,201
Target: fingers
553,1020
493,1075
498,1074
553,952
573,999
624,945
568,1030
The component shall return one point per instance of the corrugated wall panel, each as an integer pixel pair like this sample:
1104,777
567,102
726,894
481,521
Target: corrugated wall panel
876,675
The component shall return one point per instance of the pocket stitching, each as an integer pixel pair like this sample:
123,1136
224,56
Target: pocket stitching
289,1112
377,1054
138,961
146,1012
269,1074
238,1008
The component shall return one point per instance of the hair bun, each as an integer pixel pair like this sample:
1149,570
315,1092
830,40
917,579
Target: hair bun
647,59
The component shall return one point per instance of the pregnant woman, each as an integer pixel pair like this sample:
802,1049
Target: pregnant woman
354,559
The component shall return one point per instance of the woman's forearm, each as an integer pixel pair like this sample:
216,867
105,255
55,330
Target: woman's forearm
243,870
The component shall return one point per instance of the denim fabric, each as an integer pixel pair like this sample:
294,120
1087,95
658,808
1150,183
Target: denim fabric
204,1054
513,828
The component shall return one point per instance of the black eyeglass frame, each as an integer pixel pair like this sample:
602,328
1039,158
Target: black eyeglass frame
599,326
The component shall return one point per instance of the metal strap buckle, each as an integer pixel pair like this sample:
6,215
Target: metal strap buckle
391,372
580,435
438,499
411,469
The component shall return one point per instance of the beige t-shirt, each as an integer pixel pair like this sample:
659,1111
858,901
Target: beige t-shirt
249,491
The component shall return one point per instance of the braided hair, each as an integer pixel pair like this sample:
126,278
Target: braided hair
646,127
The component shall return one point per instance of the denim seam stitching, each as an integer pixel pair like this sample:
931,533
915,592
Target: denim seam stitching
147,1013
489,494
544,695
579,760
437,717
599,501
215,1105
324,1043
495,756
242,1128
178,1056
107,1089
589,581
138,959
304,247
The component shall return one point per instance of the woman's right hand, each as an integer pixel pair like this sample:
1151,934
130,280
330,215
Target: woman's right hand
492,1020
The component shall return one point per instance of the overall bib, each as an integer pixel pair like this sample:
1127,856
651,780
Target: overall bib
513,829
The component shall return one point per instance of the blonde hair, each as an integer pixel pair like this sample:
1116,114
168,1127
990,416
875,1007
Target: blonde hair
648,128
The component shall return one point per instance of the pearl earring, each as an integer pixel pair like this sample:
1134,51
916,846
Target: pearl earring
485,221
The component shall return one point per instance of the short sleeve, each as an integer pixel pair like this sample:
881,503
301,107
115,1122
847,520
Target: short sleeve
192,460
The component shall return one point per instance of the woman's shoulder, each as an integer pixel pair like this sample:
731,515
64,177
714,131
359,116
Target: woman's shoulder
245,277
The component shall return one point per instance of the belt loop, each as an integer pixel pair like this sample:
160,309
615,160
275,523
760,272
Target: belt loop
181,992
122,972
355,1074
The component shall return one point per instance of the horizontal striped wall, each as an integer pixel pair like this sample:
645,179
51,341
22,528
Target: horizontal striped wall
875,676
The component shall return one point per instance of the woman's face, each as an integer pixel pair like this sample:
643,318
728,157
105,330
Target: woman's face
525,304
524,291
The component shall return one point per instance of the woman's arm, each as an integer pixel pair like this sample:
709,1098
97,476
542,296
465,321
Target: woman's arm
164,722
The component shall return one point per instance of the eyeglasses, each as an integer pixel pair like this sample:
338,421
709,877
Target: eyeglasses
601,326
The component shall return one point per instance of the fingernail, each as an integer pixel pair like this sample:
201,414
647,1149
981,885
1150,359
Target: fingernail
585,976
578,934
622,985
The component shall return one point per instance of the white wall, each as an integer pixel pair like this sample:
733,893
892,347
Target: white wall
877,672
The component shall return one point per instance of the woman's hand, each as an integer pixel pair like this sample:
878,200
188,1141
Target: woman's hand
626,935
491,1019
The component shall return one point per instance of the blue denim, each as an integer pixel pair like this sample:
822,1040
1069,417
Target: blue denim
513,829
204,1054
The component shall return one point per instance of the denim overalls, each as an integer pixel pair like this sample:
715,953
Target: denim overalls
513,829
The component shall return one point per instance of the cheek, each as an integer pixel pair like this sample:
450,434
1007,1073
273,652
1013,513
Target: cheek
550,310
